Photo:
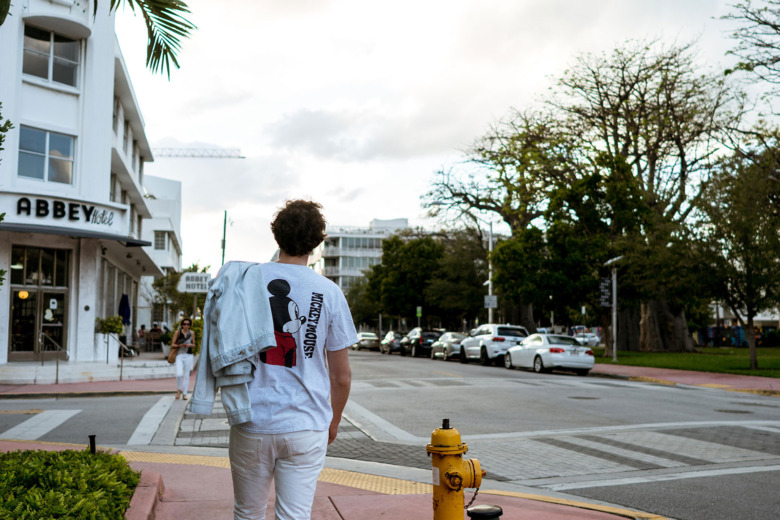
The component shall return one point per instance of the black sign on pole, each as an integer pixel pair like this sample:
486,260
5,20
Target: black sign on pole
605,292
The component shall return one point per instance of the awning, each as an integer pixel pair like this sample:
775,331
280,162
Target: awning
81,233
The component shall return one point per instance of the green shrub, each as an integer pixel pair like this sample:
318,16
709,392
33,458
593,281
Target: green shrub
110,324
70,484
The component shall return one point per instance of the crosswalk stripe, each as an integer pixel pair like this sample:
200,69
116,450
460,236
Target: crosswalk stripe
660,478
144,432
39,425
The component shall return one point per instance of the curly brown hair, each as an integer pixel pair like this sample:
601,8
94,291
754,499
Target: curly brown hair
299,227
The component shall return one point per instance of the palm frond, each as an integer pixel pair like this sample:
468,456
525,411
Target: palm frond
166,26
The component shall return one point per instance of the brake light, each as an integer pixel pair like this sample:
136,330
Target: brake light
556,350
588,352
497,338
419,340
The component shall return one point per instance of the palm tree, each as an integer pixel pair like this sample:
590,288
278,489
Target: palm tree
165,22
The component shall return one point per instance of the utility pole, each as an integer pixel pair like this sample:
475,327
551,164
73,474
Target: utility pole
224,234
490,273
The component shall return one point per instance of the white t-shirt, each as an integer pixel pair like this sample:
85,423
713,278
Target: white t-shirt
291,387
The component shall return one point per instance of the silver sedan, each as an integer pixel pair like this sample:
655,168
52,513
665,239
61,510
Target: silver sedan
447,346
546,352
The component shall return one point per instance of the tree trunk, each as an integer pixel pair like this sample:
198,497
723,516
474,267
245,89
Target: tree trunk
662,331
628,329
751,333
527,317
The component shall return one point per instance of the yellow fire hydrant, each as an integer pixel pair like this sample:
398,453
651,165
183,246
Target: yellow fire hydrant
451,473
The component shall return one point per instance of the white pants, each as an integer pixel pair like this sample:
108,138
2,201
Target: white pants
183,369
293,460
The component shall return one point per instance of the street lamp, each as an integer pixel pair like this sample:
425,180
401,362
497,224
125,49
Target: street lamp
611,263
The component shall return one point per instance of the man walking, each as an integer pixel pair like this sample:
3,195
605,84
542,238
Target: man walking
292,421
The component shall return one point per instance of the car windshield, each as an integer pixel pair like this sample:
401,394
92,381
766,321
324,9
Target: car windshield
455,335
430,335
367,335
562,340
509,331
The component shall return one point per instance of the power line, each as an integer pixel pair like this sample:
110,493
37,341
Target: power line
199,153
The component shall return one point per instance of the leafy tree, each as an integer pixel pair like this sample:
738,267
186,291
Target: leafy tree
166,25
456,288
740,236
364,308
510,172
399,284
758,37
168,296
651,108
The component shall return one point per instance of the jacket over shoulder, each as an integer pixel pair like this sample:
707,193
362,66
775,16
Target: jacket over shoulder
237,325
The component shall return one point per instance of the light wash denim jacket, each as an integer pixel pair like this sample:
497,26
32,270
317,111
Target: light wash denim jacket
237,325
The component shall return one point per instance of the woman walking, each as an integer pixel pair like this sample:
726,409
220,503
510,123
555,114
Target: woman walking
184,340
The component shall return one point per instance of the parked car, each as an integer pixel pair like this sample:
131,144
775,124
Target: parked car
588,339
546,352
391,342
489,343
447,346
418,342
367,340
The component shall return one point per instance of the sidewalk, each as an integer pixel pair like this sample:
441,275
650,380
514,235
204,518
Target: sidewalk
172,489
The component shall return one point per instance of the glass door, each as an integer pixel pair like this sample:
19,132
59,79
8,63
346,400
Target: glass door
52,313
24,314
39,291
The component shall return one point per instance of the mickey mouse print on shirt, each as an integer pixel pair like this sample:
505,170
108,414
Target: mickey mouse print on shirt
287,321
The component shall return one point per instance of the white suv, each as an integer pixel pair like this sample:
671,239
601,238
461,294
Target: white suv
489,343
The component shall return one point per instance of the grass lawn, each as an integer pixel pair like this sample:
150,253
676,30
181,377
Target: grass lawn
727,360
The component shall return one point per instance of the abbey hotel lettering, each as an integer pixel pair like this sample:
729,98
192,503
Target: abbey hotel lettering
58,209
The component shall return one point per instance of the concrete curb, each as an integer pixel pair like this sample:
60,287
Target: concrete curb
146,497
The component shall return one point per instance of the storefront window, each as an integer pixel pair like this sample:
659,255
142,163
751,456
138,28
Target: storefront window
40,267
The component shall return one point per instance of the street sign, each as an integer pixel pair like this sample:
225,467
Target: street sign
194,283
605,292
491,301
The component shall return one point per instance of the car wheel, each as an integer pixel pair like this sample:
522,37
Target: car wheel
508,361
538,365
463,358
582,372
402,351
483,357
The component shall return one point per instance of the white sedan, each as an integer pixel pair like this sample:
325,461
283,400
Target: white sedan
588,339
546,352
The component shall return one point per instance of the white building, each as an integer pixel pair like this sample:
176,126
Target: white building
350,250
163,231
71,181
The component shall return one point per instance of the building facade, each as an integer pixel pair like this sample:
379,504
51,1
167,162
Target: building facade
71,183
163,231
350,250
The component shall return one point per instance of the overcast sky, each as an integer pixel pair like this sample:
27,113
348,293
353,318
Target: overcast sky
357,103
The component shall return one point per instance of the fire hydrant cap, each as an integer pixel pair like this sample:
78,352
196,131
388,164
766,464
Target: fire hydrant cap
484,512
448,437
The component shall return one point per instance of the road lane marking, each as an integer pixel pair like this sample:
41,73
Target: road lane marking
377,428
150,423
660,478
763,428
38,425
20,412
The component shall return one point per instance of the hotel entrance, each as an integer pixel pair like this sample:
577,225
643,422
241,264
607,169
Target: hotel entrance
39,292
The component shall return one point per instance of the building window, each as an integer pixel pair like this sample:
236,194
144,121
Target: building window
159,239
46,156
50,56
115,119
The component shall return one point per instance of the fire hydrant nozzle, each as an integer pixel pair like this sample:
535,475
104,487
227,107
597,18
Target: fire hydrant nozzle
451,473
